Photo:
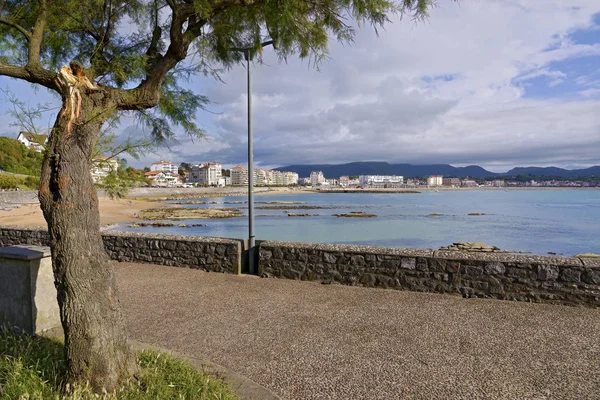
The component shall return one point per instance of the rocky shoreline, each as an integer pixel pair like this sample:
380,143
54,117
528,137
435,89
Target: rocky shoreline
477,247
355,214
156,214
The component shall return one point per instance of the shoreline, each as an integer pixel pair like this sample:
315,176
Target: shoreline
445,189
112,212
24,211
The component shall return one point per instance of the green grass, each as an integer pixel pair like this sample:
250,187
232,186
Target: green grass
32,368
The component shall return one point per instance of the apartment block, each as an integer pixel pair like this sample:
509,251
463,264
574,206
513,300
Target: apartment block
164,166
435,180
381,181
317,178
239,175
206,174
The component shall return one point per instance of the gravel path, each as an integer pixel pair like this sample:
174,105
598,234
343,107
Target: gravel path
309,341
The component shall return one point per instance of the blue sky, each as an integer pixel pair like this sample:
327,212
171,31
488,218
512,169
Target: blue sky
500,83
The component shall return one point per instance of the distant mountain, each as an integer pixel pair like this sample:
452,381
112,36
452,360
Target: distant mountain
554,171
410,170
384,168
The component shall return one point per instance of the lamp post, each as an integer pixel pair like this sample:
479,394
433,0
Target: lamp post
251,238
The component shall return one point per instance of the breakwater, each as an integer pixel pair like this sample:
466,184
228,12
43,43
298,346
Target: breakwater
556,280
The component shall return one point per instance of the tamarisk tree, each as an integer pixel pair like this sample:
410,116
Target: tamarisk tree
105,58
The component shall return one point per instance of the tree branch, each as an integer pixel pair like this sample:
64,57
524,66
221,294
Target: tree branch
35,43
147,94
37,75
18,27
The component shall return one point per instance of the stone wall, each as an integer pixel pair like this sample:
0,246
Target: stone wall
19,197
210,254
561,280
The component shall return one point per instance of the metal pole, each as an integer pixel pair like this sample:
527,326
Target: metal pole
251,241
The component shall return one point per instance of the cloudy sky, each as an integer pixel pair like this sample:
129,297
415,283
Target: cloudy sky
498,83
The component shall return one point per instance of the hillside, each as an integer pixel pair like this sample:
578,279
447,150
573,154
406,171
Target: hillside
554,171
410,170
384,168
15,157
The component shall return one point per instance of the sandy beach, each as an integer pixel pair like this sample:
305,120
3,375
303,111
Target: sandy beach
24,210
111,212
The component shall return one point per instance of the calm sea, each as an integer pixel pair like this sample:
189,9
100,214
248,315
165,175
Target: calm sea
539,221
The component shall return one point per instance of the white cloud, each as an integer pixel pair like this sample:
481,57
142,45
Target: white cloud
448,90
452,89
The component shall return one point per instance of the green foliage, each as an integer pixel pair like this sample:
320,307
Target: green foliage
11,182
15,157
32,367
134,175
115,186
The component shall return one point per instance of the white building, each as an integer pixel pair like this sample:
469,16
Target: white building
206,174
317,178
239,175
381,181
290,178
469,183
435,180
164,179
164,166
102,166
32,141
262,177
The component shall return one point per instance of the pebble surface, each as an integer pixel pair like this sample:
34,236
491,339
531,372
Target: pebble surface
305,340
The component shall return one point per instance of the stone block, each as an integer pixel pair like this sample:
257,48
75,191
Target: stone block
518,273
408,263
453,267
220,250
367,279
496,286
440,276
437,265
495,268
357,260
393,264
591,276
329,258
422,265
277,253
472,270
27,292
547,272
570,275
314,258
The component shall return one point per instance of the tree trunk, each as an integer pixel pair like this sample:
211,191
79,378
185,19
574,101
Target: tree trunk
96,347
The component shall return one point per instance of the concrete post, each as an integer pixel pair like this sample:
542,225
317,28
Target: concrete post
27,291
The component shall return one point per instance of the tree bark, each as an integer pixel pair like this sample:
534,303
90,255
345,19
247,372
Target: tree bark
96,347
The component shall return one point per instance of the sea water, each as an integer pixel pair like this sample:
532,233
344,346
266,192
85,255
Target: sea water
539,221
